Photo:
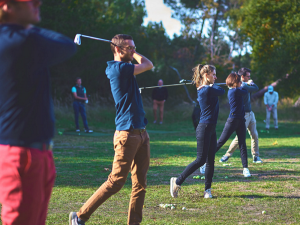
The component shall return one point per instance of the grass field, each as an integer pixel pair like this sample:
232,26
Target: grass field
84,162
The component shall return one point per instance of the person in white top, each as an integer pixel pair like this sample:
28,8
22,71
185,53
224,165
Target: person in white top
270,101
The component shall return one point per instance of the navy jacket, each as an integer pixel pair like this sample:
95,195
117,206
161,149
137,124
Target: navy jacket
26,108
209,103
236,102
247,98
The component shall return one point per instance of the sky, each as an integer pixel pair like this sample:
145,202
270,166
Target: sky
157,11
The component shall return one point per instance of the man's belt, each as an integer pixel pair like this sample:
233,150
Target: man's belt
137,131
42,146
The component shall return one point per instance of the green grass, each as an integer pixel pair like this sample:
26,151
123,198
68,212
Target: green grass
83,164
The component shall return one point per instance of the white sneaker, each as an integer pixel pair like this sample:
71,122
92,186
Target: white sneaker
256,159
174,188
77,130
73,219
88,131
207,193
246,172
202,169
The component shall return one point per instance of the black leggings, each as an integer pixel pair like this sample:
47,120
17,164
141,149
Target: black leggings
237,125
206,149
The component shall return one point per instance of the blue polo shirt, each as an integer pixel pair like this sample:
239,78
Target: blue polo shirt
125,91
209,103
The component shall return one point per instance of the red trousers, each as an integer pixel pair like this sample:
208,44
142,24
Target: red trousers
26,179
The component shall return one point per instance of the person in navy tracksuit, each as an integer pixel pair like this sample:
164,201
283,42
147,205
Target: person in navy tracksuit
204,78
236,119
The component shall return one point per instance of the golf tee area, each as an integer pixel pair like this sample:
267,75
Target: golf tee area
270,196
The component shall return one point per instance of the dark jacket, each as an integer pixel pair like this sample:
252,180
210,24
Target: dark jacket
160,93
26,108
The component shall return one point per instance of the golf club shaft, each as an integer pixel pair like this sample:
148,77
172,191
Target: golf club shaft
171,85
95,38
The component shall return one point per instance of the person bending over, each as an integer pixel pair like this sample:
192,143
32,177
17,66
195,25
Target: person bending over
204,78
131,140
271,100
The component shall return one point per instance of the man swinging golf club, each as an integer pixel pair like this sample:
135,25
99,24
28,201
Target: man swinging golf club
131,140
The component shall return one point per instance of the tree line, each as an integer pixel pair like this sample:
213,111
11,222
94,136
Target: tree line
269,27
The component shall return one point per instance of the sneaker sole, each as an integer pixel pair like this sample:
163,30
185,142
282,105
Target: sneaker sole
257,162
221,161
171,187
207,196
71,217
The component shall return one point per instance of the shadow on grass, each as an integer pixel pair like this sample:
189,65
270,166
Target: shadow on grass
260,196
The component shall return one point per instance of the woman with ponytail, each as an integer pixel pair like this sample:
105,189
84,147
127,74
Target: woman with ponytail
236,120
204,78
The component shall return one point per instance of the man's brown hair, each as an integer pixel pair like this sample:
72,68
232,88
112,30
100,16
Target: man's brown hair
118,40
243,71
232,80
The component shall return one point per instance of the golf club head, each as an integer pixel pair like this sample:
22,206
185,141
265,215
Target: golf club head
77,39
184,81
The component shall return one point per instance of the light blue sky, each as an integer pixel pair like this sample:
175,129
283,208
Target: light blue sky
157,11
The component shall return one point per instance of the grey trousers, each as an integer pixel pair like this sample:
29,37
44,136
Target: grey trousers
274,113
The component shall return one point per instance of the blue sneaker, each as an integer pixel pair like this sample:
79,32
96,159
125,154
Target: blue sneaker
224,158
73,219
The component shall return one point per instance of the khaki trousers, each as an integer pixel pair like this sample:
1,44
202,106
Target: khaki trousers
251,127
132,153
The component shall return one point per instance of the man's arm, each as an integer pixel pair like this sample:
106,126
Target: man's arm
79,98
265,99
52,46
250,88
143,65
276,98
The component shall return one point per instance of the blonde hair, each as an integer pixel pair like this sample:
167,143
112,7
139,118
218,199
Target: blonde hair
199,71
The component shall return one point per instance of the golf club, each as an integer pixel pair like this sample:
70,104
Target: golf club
77,39
181,82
